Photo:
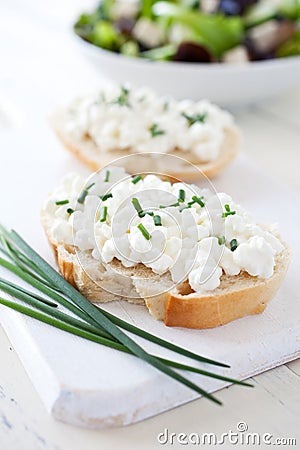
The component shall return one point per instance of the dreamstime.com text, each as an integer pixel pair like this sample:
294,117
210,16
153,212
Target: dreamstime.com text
239,437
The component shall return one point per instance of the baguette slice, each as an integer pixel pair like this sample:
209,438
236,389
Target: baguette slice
185,167
236,297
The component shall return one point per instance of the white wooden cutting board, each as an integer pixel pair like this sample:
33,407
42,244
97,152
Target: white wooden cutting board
89,385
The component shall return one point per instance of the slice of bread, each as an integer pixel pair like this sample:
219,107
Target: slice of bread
185,167
236,297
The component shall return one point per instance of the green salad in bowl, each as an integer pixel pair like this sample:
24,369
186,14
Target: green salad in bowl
204,31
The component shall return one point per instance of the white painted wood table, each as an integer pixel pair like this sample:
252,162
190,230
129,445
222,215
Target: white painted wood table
37,73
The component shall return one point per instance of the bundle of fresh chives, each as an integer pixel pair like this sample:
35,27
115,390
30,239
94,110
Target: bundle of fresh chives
87,320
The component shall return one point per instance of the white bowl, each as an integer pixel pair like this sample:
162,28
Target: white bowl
225,84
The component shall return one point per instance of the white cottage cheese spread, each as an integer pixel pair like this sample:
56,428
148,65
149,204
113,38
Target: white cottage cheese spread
138,120
192,233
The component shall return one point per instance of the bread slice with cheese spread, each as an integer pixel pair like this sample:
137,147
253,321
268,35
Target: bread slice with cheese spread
117,122
236,297
177,304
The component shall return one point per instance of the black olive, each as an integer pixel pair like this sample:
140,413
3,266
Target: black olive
124,25
235,7
255,54
191,52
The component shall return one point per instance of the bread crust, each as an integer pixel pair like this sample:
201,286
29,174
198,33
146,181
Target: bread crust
237,296
209,311
86,151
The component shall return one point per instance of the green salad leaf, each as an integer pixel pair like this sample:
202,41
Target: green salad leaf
290,47
265,11
130,48
97,27
259,14
146,8
164,53
216,32
290,9
105,35
105,9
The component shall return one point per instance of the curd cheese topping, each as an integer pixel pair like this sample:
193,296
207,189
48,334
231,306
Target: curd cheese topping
138,120
191,233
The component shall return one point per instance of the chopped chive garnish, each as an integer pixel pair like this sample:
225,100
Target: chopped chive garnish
221,240
107,175
196,118
105,196
182,208
62,202
169,206
155,131
233,245
143,213
136,179
103,214
144,232
82,196
137,205
198,200
181,196
228,212
139,209
157,220
70,211
90,186
123,99
191,203
84,193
